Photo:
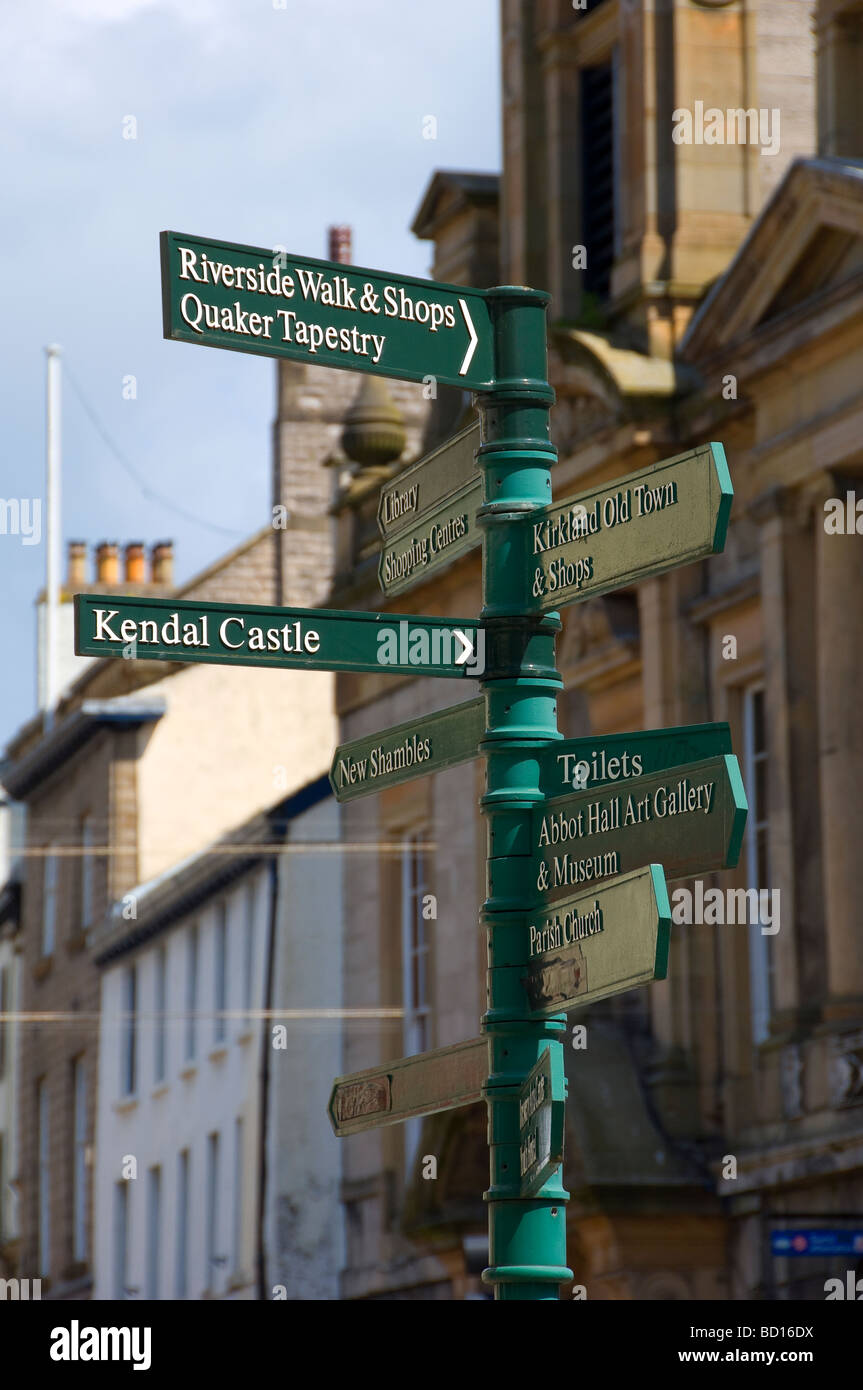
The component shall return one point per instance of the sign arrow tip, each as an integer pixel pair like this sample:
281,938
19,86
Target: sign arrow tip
467,647
471,347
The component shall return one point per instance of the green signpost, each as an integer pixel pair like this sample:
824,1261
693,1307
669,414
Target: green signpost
572,913
428,514
390,758
413,749
642,525
412,1086
420,489
598,943
690,818
436,539
249,299
541,1121
593,762
236,634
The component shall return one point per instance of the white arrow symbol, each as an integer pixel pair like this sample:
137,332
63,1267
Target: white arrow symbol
471,347
467,647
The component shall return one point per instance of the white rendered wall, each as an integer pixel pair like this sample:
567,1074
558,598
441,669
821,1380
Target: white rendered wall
194,1100
304,1216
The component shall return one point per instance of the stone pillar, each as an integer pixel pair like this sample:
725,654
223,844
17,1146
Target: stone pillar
840,76
563,155
839,664
787,543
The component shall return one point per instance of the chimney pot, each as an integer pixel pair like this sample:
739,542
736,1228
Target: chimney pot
162,562
77,565
135,564
340,244
107,562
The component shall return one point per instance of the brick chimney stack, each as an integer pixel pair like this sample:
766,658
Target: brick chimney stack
340,244
76,569
162,562
135,565
107,562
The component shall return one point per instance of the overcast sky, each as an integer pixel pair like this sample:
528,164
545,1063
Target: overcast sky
258,121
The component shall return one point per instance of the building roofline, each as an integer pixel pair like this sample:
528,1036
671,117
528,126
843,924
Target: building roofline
473,185
63,739
227,559
763,230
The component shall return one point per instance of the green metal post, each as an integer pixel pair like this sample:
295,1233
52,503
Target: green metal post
527,1236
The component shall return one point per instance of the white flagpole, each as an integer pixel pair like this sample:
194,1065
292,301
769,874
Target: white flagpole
53,536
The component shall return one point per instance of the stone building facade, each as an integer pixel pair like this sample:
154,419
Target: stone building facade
702,289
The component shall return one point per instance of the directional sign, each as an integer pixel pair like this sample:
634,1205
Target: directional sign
250,299
642,525
602,758
817,1243
318,639
689,818
541,1117
411,1086
599,943
399,754
413,749
436,539
422,487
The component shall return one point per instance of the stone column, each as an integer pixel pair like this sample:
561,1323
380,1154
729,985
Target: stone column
839,605
563,155
840,77
787,544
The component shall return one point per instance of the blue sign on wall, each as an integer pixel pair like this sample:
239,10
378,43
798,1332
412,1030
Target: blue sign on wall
822,1242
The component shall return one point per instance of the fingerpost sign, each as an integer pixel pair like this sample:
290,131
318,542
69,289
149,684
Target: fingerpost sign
582,834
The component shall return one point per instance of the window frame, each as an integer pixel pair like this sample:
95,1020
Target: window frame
121,1239
43,1188
79,1160
154,1230
193,951
160,1004
86,897
211,1229
220,972
50,885
129,1058
249,933
181,1260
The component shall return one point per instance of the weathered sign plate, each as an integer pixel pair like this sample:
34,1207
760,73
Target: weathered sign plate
669,514
416,748
603,758
428,482
541,1118
436,539
411,1086
688,818
600,942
